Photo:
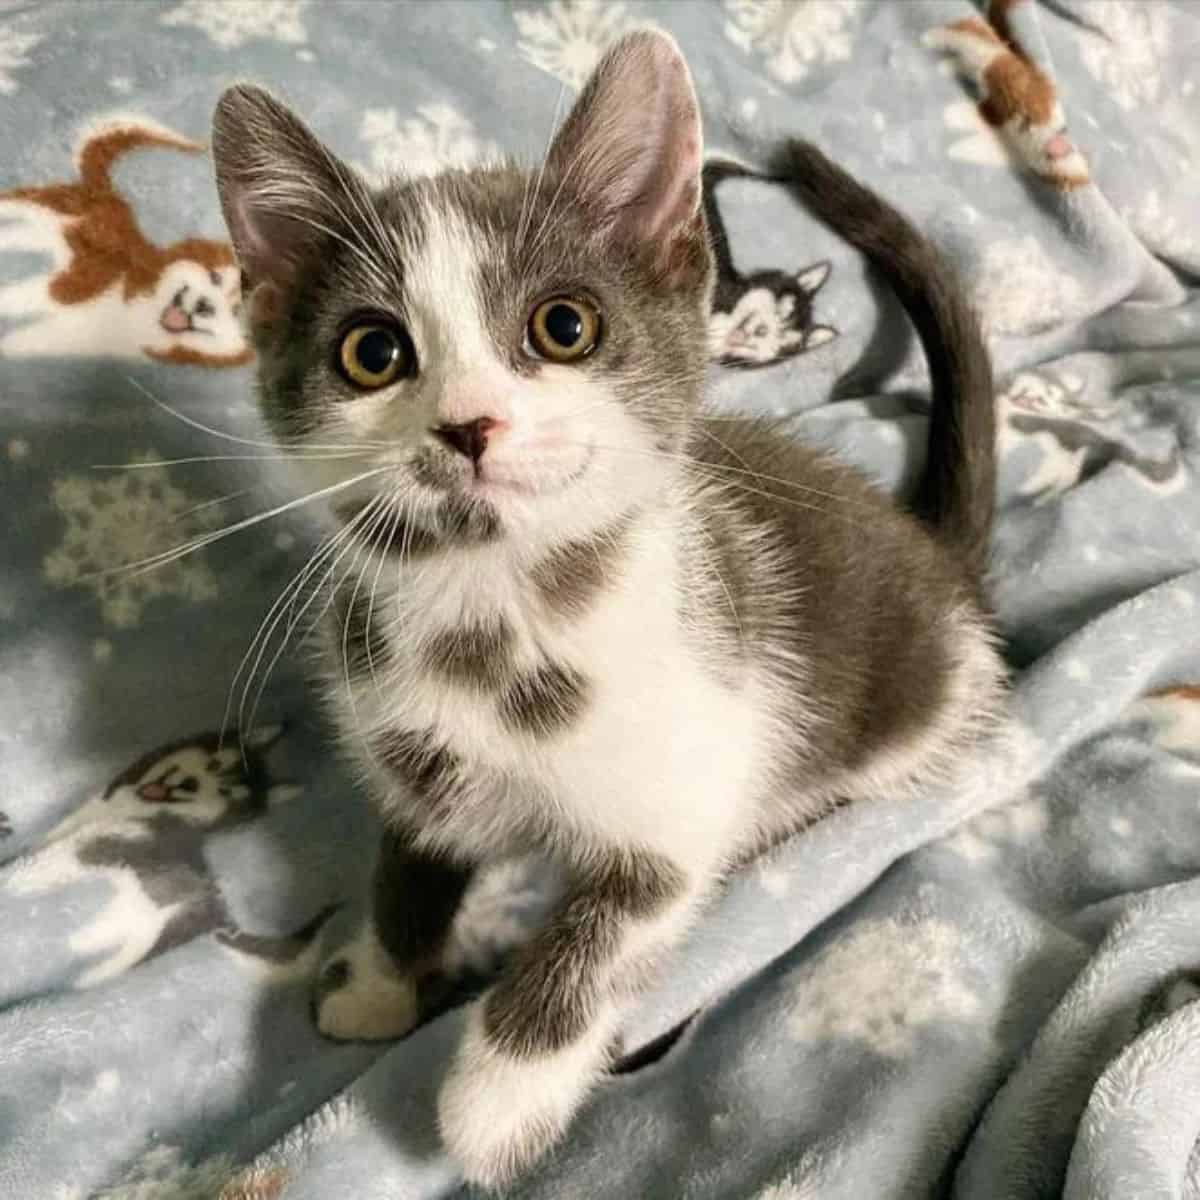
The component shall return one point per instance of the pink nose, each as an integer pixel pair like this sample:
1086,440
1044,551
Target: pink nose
175,320
469,439
154,793
1059,146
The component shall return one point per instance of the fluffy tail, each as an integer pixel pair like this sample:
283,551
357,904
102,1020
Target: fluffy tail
957,489
101,147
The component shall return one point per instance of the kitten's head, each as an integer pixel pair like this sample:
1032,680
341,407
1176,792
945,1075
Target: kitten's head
198,781
512,350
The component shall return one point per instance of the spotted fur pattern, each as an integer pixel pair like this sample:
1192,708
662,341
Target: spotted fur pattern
642,640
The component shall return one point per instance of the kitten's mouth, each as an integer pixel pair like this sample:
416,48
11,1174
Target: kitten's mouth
491,479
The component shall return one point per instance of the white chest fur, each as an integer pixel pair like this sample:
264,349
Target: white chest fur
660,755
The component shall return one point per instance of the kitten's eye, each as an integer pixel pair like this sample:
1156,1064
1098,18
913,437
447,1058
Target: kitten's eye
563,329
374,355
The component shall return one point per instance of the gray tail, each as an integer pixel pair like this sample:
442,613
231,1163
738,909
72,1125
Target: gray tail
956,494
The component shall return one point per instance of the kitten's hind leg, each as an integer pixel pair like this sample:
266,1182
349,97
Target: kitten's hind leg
367,990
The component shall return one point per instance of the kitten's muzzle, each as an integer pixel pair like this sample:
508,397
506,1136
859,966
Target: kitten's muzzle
470,439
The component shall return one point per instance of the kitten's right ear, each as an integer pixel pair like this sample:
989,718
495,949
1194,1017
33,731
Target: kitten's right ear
631,149
279,186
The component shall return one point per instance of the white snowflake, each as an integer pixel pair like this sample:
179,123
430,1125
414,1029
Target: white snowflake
1019,822
881,982
793,36
1020,291
566,38
121,519
1125,47
14,54
438,136
232,23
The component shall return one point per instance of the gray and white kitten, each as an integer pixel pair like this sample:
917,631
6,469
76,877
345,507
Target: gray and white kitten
595,621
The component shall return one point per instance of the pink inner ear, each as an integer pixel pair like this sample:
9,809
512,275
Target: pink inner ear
632,145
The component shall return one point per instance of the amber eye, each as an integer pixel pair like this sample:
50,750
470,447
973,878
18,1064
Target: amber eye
563,329
374,355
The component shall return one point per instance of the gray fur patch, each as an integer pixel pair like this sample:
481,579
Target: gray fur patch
422,764
546,998
474,655
572,575
544,701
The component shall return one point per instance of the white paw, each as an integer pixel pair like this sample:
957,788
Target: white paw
361,997
499,1114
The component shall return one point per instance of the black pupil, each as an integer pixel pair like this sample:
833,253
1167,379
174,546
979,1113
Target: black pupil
377,351
564,325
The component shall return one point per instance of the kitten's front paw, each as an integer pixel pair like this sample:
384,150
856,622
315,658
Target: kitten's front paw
361,997
499,1114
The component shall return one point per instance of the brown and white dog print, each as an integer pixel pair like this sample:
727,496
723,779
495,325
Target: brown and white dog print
109,290
1016,97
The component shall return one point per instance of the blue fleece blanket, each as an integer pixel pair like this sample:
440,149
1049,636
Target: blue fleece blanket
984,993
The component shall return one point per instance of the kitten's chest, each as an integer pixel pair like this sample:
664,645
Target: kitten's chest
496,716
479,665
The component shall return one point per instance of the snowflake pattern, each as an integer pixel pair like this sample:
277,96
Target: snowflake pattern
983,838
566,38
1019,291
124,519
880,983
1125,48
792,36
438,136
233,23
14,54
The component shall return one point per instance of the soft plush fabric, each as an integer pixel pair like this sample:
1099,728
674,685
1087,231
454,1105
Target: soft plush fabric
980,993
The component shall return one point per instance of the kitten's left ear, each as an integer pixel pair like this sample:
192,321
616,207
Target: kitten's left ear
631,151
281,190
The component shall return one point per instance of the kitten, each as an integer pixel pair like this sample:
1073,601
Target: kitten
145,833
590,619
764,317
110,291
